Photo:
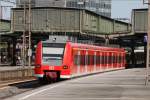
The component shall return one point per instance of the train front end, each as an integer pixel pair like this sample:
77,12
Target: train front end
49,62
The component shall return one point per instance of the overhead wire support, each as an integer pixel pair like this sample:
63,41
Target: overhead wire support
24,38
148,44
29,48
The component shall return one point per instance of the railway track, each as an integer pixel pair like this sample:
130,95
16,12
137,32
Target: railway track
14,87
15,81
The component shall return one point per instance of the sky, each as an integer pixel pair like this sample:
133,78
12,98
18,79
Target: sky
120,8
123,8
6,10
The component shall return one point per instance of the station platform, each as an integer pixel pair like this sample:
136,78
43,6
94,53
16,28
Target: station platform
5,68
127,84
11,73
9,68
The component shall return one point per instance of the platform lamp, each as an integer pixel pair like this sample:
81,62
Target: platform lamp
148,43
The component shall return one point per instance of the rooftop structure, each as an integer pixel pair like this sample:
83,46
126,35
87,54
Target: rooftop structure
139,20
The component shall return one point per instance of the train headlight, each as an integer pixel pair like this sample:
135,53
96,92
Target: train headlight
65,67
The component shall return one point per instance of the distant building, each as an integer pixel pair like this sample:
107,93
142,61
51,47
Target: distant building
102,7
140,21
4,26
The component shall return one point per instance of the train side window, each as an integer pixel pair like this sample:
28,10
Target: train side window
117,58
82,60
88,60
106,58
123,58
97,59
120,58
100,59
103,59
92,59
114,59
109,59
77,60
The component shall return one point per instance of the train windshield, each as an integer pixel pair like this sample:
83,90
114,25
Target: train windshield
53,53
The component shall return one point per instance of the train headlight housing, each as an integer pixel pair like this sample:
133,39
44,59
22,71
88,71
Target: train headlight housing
65,67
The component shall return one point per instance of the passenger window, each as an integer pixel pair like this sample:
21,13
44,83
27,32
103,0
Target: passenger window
103,59
88,60
109,59
92,59
82,60
97,59
106,58
76,60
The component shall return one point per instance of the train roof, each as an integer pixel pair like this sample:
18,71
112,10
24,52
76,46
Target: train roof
88,46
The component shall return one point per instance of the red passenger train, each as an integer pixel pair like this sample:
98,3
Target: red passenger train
67,60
